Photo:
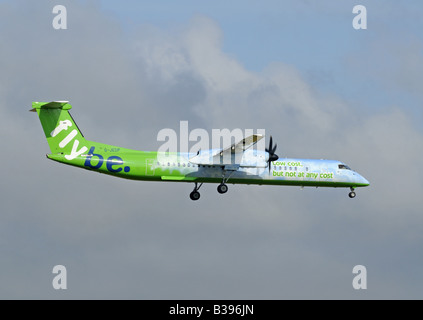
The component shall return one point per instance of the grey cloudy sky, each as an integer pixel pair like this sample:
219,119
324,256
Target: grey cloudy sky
298,70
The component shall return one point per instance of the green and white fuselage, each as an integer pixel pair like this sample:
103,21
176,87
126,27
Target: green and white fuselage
69,146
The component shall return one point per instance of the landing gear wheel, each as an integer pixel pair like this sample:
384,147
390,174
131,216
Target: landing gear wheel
195,195
222,188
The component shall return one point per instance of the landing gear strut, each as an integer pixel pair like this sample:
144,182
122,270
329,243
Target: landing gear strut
352,193
223,188
195,195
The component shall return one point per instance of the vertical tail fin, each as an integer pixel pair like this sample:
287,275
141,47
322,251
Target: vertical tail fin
59,128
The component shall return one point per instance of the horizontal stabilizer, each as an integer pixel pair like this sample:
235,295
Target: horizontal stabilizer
51,105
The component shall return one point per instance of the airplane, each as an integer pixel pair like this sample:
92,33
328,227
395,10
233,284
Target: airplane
236,164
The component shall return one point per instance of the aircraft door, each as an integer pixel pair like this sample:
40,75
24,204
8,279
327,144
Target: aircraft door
149,167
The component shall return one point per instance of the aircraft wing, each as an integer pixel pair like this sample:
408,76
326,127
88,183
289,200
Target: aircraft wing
244,144
229,156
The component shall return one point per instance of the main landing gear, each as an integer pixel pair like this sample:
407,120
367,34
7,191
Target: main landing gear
195,195
222,188
352,193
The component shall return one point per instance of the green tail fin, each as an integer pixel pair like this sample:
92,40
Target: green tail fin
62,133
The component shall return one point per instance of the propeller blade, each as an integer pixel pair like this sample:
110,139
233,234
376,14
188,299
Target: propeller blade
271,150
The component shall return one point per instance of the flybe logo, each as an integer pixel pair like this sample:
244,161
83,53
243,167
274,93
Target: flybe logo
64,125
113,163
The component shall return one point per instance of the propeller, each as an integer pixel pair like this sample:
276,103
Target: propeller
271,150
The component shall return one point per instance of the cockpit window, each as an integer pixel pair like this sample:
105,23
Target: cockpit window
344,166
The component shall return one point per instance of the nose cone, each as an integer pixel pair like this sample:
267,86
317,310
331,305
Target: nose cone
362,182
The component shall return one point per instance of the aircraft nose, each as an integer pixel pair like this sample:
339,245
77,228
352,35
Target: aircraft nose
363,181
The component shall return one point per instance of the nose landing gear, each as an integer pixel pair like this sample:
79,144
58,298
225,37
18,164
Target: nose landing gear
352,193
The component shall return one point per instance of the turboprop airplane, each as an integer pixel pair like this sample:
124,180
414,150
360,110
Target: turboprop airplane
238,163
